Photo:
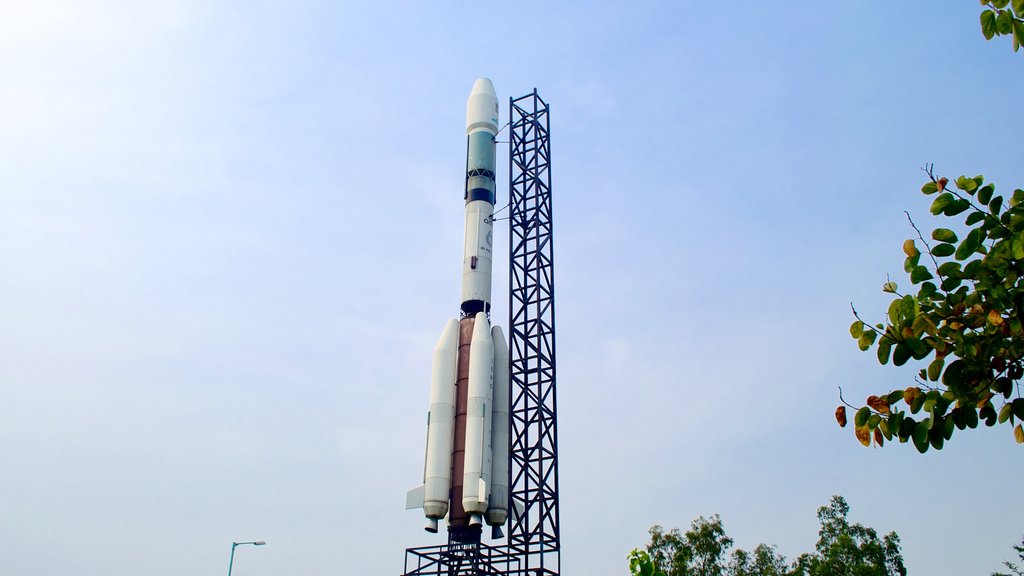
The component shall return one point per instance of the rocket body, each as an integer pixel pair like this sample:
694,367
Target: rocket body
465,475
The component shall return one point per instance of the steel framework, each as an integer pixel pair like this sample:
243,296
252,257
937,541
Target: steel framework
533,545
534,529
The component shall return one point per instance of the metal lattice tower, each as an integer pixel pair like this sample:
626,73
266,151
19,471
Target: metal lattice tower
534,529
533,547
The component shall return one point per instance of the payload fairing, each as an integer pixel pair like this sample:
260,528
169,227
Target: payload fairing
465,474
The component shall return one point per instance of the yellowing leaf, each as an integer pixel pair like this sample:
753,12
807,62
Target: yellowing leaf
911,394
984,400
841,416
994,318
878,438
879,404
864,435
1018,434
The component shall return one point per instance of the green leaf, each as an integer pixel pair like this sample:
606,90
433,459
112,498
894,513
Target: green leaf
894,397
985,193
911,262
936,434
922,324
995,205
959,418
957,206
975,217
1000,4
915,406
929,403
1018,408
1004,386
1018,246
920,437
1018,31
889,287
951,283
901,354
940,203
894,311
970,244
1005,412
930,188
969,185
884,348
949,268
907,425
1018,8
856,329
988,24
943,235
861,418
917,347
866,340
920,274
1004,22
943,250
935,368
884,427
908,306
971,417
989,414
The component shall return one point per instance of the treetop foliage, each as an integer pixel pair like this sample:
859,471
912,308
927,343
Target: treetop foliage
1015,569
1003,18
843,549
966,321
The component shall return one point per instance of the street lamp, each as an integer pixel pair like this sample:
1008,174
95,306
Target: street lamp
236,545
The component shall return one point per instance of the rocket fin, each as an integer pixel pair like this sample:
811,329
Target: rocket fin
414,498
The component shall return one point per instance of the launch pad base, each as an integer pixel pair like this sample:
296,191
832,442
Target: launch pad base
474,559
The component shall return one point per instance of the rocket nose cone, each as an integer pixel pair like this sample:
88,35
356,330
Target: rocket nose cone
483,86
482,107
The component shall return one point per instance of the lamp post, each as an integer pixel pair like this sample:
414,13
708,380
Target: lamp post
236,545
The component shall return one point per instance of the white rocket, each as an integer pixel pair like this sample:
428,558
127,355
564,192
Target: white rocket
466,475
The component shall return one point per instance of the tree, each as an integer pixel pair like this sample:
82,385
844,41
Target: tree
763,562
640,564
1016,569
966,320
699,552
1003,18
843,550
846,549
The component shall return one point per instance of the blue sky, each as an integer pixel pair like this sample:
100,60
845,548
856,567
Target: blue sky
230,234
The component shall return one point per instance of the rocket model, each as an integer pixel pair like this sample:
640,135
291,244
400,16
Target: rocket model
465,475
